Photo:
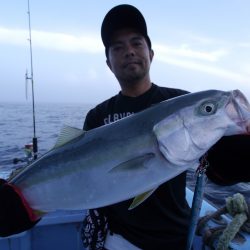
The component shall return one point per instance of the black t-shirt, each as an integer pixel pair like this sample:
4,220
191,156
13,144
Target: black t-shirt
160,222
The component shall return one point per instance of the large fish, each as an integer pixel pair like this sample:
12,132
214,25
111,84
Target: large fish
132,156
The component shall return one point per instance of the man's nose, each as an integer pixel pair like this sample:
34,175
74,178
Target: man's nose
129,51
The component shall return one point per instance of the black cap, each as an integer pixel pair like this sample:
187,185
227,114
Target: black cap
123,16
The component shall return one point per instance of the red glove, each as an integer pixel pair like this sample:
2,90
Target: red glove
16,215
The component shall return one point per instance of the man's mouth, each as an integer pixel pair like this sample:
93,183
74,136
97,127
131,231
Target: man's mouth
127,64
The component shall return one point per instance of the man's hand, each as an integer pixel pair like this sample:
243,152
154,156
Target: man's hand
15,214
229,160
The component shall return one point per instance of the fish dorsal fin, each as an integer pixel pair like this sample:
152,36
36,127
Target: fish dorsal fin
67,134
140,198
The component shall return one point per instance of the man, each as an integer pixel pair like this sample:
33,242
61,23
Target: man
161,222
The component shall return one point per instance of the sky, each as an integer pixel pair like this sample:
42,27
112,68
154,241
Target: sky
198,45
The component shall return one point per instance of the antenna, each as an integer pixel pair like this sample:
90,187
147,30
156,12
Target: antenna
31,78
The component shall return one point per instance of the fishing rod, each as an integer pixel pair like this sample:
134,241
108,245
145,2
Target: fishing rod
31,78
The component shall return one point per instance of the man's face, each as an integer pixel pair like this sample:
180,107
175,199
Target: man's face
129,56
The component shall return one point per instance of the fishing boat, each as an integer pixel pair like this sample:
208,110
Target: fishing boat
62,230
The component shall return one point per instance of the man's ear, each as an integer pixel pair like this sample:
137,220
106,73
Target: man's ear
109,65
151,55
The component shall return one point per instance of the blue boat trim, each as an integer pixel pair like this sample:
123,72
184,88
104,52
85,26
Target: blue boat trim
62,230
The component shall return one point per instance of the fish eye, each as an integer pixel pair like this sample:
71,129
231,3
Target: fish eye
208,108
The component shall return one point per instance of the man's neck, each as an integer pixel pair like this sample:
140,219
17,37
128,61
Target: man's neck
135,90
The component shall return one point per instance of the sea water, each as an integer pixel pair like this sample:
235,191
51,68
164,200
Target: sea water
17,130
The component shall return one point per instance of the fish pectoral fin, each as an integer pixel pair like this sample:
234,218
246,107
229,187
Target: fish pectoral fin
140,198
133,164
67,134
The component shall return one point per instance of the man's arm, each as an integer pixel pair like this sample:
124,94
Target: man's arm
92,120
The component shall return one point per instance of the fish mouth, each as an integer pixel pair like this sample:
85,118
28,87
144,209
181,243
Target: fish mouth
241,108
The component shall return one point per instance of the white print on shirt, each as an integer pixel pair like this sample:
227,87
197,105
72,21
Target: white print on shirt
116,116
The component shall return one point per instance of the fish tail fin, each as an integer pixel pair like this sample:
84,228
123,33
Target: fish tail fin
16,215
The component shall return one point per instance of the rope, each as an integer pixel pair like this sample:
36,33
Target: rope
237,207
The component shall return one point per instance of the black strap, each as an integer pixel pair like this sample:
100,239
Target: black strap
94,230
